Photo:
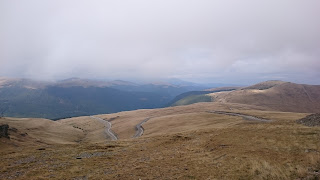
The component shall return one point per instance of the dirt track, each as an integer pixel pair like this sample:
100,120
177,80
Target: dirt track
244,116
108,130
139,128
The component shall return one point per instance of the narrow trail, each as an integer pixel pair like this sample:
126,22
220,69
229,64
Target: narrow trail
139,128
244,116
108,130
304,89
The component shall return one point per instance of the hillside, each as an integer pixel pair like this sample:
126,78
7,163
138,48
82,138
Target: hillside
281,96
182,142
191,99
27,132
274,95
197,96
216,140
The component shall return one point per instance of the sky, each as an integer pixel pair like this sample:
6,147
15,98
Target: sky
216,41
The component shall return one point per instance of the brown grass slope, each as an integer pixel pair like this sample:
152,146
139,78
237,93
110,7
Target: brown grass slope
93,130
31,131
180,143
171,119
276,95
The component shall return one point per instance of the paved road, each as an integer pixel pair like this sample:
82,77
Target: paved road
107,125
245,117
139,128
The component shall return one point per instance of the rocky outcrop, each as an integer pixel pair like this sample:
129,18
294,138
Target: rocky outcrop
4,131
311,120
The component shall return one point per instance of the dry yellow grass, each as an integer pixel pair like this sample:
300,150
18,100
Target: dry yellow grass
93,130
283,96
171,124
124,124
179,143
44,130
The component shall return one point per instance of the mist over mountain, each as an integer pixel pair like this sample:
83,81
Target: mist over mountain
78,97
234,42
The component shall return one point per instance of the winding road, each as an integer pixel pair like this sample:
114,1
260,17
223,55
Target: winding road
108,130
139,128
244,116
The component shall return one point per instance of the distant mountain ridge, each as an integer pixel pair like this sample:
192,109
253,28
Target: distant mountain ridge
78,97
92,83
197,96
275,95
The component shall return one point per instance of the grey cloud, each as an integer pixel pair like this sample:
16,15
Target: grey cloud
205,40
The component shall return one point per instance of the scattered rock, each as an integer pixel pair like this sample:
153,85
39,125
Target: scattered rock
92,154
180,137
41,149
310,120
4,131
311,150
223,145
23,134
111,146
12,129
111,119
26,160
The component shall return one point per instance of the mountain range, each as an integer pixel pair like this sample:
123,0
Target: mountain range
78,97
274,95
263,131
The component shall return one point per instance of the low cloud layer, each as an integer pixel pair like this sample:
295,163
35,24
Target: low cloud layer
198,40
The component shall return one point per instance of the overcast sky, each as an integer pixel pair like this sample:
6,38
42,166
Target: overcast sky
226,41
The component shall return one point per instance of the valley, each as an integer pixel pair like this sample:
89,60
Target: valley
82,97
159,90
206,140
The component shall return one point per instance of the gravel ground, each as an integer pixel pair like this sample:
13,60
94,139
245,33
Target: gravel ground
310,120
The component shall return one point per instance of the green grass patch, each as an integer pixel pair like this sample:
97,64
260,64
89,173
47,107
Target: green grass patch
192,99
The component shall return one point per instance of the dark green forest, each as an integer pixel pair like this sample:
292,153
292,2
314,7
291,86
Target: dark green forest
55,102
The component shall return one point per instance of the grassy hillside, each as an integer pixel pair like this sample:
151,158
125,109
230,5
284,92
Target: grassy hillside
196,141
192,99
185,98
183,142
275,95
30,131
280,96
